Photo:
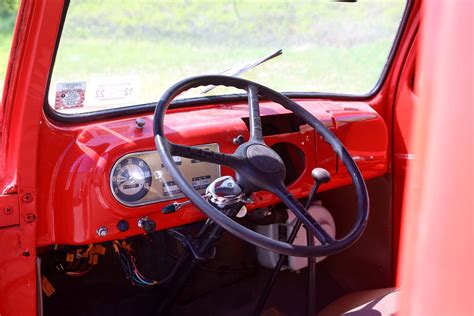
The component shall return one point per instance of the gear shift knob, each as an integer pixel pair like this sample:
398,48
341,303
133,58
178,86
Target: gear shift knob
320,175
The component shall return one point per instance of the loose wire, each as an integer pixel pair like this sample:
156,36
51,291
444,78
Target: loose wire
129,265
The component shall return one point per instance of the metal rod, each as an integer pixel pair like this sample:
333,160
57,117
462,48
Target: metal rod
268,288
311,277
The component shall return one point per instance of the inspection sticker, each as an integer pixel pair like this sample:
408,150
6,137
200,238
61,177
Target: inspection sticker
70,95
116,89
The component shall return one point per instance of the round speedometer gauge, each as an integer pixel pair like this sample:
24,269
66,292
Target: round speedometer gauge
131,179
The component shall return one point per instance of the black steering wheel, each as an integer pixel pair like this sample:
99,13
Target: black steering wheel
259,167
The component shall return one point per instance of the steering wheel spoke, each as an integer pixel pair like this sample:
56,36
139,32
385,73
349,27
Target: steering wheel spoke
300,212
200,154
256,131
259,167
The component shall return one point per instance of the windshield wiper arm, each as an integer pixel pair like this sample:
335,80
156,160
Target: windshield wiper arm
237,71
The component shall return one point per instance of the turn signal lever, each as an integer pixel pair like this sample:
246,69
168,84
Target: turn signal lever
320,176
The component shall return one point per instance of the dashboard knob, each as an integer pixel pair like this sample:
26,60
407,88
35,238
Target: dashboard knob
102,231
239,140
123,226
140,123
148,225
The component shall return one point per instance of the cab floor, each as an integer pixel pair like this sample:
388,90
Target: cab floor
289,297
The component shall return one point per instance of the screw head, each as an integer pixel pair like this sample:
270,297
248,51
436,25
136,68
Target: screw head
102,231
8,210
27,198
30,218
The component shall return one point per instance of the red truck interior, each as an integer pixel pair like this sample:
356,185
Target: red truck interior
55,179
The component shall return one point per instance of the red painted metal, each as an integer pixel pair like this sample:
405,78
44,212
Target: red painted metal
75,198
21,116
437,255
392,113
58,174
9,210
404,109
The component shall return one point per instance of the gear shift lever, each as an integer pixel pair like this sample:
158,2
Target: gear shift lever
320,176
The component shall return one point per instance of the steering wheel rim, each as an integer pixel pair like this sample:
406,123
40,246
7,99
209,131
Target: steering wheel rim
328,245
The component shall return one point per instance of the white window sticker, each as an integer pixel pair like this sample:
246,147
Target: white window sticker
70,95
106,90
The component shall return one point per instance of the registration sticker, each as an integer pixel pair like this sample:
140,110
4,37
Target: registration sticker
70,95
120,89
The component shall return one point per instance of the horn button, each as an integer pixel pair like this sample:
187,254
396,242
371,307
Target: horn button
264,159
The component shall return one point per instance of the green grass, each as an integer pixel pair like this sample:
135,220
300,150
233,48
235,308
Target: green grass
5,43
351,70
337,48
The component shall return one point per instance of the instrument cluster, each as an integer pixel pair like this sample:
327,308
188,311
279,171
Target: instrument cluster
140,178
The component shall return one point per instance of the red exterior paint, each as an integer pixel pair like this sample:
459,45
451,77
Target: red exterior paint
437,247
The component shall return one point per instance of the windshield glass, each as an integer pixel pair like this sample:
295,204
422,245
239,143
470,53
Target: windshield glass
114,54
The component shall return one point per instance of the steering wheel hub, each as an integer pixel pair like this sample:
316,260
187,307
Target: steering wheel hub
264,158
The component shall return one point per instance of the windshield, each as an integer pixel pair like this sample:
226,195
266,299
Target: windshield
112,56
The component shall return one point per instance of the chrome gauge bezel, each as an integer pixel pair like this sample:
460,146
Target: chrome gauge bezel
145,168
140,155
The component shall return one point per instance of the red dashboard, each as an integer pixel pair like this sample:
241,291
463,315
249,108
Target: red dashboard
76,197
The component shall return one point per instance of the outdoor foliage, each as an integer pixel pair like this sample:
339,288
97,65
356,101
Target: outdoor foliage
8,9
291,22
327,47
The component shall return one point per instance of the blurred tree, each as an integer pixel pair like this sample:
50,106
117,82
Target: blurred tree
8,8
8,11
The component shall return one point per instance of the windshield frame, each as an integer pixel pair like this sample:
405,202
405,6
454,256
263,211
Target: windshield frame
59,117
